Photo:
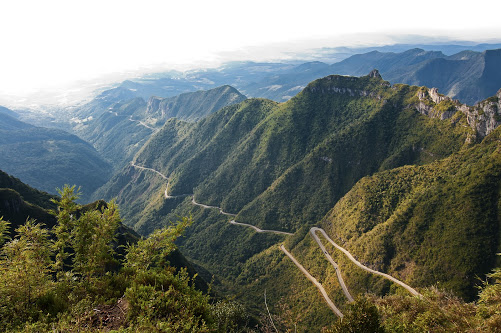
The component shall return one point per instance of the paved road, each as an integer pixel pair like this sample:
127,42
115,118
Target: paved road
336,267
166,193
207,206
167,196
260,230
155,171
348,254
142,124
315,282
239,223
303,270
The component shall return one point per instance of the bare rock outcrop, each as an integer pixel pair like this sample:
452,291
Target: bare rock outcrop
483,117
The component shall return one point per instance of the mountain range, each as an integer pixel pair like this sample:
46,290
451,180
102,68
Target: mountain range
469,76
400,167
460,69
48,158
380,167
118,128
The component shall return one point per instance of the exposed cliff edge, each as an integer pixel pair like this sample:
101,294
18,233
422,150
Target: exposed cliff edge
483,117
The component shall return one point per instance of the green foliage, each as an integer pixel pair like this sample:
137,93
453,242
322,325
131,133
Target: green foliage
444,106
362,316
4,228
427,224
48,158
285,165
145,294
66,223
25,275
154,250
489,308
229,316
403,178
165,302
92,240
440,311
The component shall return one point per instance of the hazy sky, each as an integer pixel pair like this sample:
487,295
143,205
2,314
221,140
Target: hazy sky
47,44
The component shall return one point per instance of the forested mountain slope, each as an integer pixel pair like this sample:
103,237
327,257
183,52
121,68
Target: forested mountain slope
19,201
49,158
119,128
284,166
437,223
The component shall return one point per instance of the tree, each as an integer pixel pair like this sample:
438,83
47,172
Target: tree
4,228
92,240
88,236
65,214
153,251
24,272
363,316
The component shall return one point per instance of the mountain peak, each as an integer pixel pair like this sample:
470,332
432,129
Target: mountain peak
375,73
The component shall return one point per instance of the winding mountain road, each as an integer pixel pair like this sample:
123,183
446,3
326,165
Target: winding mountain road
155,171
313,232
261,230
356,262
143,124
239,223
336,267
167,196
315,282
166,193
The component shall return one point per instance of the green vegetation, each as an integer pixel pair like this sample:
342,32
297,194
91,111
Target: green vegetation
362,316
260,159
27,193
411,195
120,129
437,223
69,279
49,158
437,311
444,106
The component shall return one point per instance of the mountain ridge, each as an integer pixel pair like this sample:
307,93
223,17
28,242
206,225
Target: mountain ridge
48,158
188,177
284,166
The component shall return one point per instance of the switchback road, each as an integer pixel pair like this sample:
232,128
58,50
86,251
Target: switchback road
348,254
315,282
313,232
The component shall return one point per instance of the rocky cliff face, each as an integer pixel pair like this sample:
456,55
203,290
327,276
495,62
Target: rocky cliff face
483,117
154,105
350,85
